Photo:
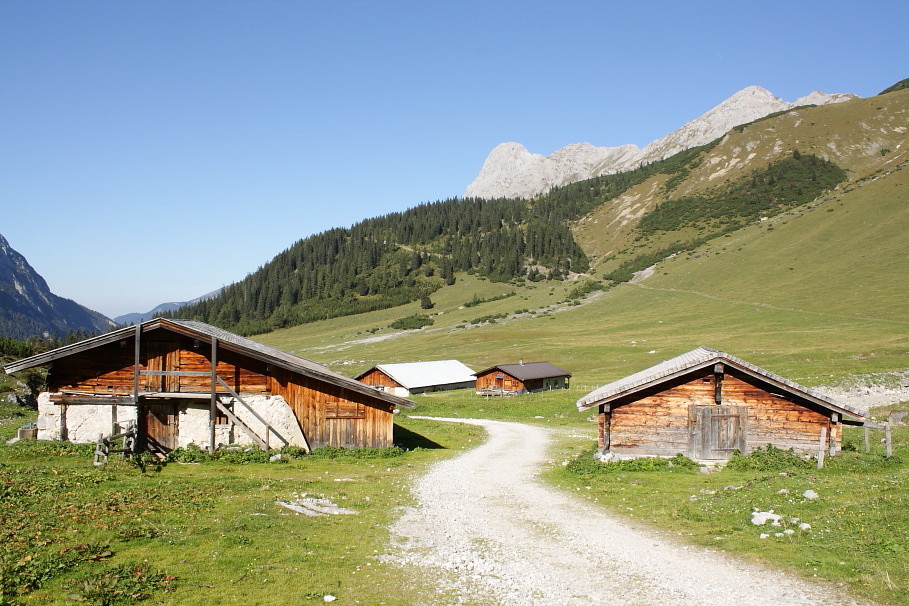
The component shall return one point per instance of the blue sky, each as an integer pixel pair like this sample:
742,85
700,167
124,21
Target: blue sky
155,151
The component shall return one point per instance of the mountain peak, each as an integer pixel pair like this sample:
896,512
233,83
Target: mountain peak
512,171
28,307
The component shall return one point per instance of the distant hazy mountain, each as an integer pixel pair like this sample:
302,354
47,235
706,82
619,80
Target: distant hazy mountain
28,307
511,171
135,318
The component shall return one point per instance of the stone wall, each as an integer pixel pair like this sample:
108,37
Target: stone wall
84,422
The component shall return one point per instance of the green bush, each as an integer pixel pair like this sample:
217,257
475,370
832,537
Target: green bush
587,465
414,322
189,454
770,458
786,183
336,452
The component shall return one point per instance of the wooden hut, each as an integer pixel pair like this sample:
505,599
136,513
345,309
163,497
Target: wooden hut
410,378
516,379
707,404
180,382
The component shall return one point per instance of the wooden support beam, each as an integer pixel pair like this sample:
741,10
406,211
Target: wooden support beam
835,433
236,421
718,370
213,410
136,359
174,373
236,396
66,398
822,448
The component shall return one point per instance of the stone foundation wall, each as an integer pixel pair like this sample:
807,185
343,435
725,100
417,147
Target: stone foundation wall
84,422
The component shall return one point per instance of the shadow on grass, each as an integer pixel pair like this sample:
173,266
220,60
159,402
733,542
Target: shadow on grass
405,438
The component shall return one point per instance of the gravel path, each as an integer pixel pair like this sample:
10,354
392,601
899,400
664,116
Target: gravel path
487,531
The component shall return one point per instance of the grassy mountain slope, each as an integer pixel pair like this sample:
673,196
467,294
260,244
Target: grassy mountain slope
816,293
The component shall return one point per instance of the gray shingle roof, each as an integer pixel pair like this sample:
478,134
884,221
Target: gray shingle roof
414,375
700,358
529,371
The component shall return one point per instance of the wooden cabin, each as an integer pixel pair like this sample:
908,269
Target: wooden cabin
411,378
521,378
707,404
181,382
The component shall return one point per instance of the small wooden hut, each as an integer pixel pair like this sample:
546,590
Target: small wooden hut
707,404
521,378
411,378
180,382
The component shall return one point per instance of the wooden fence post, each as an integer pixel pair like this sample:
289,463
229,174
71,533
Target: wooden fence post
822,448
888,440
867,439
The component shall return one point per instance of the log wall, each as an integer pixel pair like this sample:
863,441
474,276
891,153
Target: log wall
109,368
379,379
333,416
659,422
489,381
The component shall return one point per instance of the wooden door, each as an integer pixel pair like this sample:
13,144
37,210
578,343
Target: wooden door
162,355
161,427
717,431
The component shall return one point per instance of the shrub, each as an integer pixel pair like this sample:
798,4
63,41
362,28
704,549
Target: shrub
336,452
190,454
770,458
414,322
587,465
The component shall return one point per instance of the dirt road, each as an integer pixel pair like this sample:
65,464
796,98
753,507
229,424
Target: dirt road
487,531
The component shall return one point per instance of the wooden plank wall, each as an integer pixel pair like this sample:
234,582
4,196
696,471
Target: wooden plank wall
378,378
489,381
775,420
658,423
333,416
105,369
109,368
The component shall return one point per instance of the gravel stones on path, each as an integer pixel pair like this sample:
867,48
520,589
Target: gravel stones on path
485,530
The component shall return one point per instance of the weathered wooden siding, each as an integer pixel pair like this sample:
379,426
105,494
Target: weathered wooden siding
657,423
109,368
333,416
506,383
668,419
775,420
378,378
105,369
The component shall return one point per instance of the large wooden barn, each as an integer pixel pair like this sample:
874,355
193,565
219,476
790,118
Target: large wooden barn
521,378
180,382
707,404
409,378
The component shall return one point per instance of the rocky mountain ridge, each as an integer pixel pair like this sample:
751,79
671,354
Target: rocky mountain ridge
511,171
28,307
136,317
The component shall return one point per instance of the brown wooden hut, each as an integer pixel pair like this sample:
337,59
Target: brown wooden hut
707,404
516,379
409,378
182,382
